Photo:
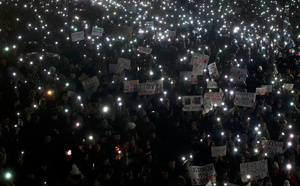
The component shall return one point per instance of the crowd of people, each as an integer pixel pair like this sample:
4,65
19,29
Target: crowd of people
54,132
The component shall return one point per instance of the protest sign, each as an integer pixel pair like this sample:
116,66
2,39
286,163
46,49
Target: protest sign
288,86
199,62
216,97
77,36
218,151
146,88
192,103
97,31
272,148
257,170
71,94
244,99
213,71
260,91
130,86
150,25
188,77
170,33
238,74
145,50
90,85
201,175
207,104
123,64
159,85
212,84
119,77
122,31
268,88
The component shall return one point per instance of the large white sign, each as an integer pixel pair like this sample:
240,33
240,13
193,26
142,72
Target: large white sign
199,62
201,175
256,169
238,74
192,103
216,97
145,50
77,36
218,151
130,86
244,99
97,31
272,148
188,77
213,71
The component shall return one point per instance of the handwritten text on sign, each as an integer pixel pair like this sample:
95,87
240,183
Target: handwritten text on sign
188,77
238,74
145,50
272,148
199,62
244,99
257,170
130,86
77,36
218,151
97,31
216,97
201,175
90,85
146,88
213,71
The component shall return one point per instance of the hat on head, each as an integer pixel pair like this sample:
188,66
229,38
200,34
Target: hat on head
131,125
75,170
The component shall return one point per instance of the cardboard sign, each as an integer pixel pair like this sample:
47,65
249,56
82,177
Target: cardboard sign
199,62
170,33
216,97
218,151
238,74
77,36
260,91
192,103
201,175
244,99
213,71
122,31
188,77
97,31
268,88
90,85
145,50
257,170
288,86
159,85
130,86
212,84
123,64
146,88
150,25
272,148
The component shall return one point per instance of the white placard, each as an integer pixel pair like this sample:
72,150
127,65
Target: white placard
145,50
256,169
192,103
201,175
288,86
188,77
97,31
130,86
90,85
77,36
199,62
272,148
212,84
216,97
238,74
123,64
268,88
207,104
260,91
213,71
218,151
170,33
146,88
244,99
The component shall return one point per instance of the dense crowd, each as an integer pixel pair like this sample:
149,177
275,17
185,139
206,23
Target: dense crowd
54,133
